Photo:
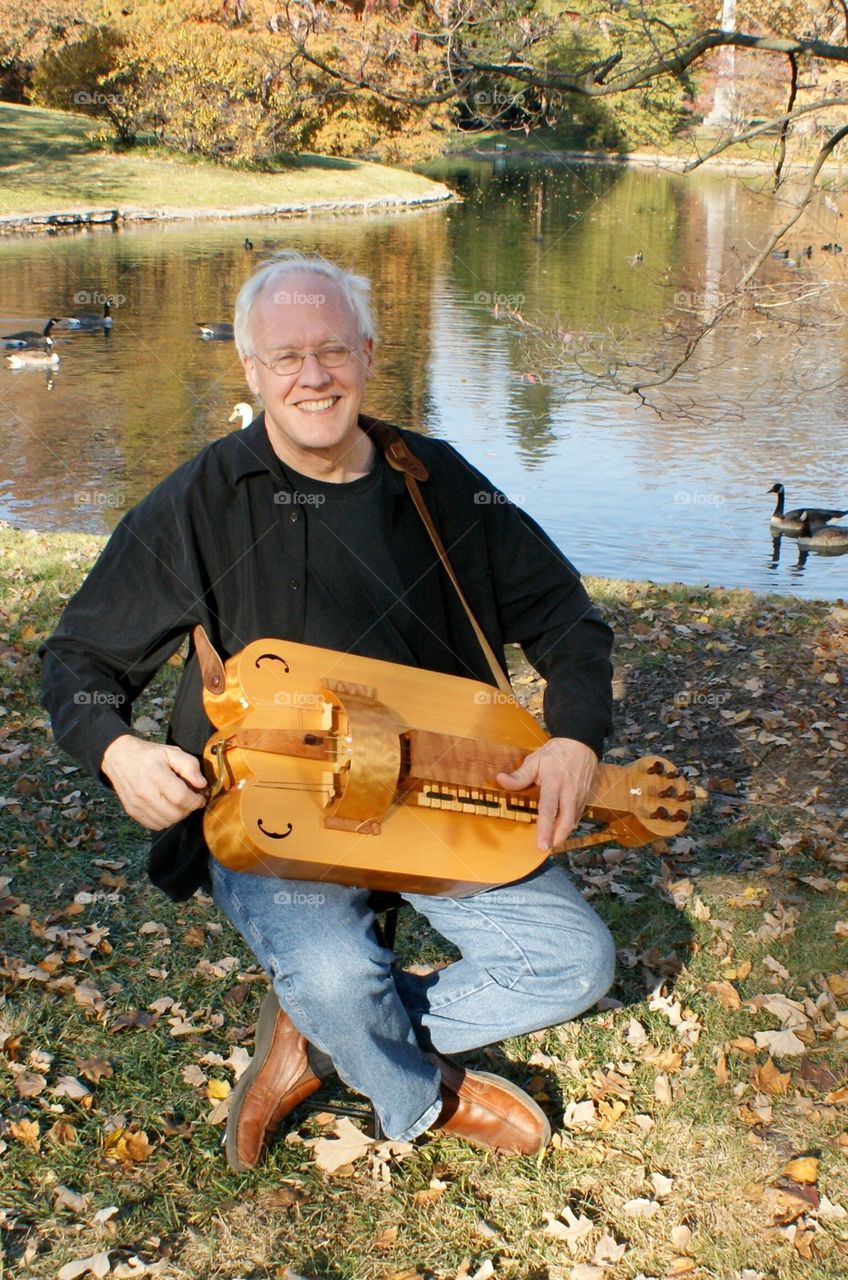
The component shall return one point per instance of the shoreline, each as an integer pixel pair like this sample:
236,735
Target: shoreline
74,539
636,159
73,219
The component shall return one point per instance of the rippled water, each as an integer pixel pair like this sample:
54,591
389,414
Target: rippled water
608,254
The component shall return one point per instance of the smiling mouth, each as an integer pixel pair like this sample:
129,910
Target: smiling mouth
316,406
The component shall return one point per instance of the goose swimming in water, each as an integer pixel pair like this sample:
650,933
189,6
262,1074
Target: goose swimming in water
814,533
215,329
29,337
91,320
27,358
243,411
791,521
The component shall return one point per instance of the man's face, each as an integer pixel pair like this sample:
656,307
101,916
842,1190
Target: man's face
315,410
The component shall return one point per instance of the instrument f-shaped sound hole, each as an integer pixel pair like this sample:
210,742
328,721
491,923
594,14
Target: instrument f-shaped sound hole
272,657
274,835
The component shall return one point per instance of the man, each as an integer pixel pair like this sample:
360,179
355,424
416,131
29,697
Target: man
296,528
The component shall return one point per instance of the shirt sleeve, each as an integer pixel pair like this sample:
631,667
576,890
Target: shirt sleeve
129,616
544,607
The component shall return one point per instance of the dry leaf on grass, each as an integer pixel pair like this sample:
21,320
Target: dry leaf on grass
350,1143
586,1271
802,1169
569,1227
767,1079
640,1208
96,1265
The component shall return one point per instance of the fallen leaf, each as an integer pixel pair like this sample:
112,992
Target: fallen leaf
640,1208
30,1084
66,1198
436,1189
97,1265
681,1238
802,1169
350,1144
783,1044
608,1251
217,1089
769,1080
62,1134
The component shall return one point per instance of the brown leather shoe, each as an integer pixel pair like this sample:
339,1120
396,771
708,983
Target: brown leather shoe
490,1111
276,1080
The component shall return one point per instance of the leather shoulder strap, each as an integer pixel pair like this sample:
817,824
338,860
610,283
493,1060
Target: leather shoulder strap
401,458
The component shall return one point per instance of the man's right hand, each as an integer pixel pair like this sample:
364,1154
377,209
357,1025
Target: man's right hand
158,785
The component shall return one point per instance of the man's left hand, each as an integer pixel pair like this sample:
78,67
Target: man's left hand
563,770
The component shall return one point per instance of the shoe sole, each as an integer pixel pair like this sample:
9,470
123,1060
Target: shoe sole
264,1035
528,1102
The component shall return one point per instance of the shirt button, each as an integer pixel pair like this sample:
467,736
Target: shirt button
293,517
294,584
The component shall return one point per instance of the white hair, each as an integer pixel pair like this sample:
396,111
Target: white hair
355,289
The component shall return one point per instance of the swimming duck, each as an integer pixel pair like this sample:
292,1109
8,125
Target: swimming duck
791,521
248,244
817,534
29,337
91,320
215,329
243,411
27,358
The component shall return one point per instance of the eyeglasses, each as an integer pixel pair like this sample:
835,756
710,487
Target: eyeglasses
288,362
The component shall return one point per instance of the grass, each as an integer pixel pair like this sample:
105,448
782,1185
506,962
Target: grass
724,920
48,163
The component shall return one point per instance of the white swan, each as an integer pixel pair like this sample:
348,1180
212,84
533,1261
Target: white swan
243,411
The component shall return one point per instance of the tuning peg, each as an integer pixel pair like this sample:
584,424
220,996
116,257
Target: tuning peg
657,767
662,814
674,773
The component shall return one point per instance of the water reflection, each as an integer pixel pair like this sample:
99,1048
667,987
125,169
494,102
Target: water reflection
611,256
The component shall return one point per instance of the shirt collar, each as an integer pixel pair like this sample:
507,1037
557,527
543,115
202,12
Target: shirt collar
253,454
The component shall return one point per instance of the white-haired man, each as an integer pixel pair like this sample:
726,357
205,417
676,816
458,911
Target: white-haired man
345,564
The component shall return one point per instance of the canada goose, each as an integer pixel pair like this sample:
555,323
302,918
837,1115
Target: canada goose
813,533
215,329
27,358
29,337
91,320
791,521
243,411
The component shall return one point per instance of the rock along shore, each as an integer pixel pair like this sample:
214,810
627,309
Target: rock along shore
70,219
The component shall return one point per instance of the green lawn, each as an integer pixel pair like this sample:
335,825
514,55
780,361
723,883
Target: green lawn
48,163
679,1108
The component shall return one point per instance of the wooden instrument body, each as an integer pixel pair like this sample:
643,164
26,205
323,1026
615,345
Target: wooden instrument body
328,766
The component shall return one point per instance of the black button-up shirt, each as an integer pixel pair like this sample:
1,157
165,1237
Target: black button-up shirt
222,542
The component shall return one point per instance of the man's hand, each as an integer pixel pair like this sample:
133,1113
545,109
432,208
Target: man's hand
563,770
158,785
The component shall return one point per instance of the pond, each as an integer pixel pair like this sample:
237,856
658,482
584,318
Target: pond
612,256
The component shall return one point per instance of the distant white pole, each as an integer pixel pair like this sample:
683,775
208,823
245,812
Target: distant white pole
724,99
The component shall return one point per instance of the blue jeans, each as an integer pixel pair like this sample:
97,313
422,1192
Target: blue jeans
534,954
